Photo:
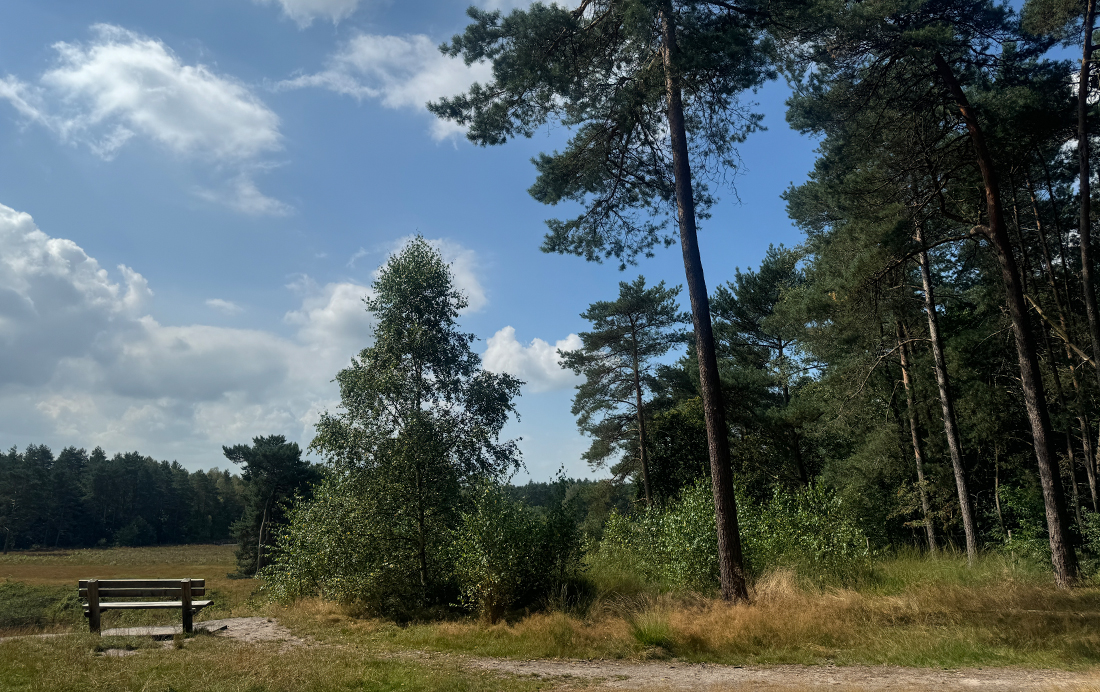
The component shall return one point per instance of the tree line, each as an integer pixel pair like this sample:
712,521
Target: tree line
77,499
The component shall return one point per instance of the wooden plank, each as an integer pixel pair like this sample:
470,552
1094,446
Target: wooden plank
141,593
151,605
140,583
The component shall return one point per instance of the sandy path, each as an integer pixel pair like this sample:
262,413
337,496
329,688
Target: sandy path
684,676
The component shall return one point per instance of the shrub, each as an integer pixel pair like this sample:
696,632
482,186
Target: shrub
341,545
507,555
496,552
676,546
136,534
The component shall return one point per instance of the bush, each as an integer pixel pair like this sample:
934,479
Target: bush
496,553
507,555
676,547
341,545
136,534
809,530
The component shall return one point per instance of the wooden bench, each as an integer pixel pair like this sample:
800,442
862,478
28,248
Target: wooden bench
95,590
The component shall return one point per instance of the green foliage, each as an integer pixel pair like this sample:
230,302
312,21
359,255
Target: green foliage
273,472
339,545
419,425
135,534
497,553
809,530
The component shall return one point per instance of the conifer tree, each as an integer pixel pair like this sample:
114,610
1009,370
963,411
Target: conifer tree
650,89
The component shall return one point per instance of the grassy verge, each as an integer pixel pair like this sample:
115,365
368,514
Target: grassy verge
913,611
210,664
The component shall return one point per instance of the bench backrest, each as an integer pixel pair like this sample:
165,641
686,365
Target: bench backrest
147,588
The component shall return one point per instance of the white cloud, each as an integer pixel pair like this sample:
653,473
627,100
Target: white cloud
401,72
303,12
82,362
122,87
537,363
226,307
242,194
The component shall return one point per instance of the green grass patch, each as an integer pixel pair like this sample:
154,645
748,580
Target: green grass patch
23,606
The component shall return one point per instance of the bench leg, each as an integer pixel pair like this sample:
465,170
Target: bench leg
93,605
188,611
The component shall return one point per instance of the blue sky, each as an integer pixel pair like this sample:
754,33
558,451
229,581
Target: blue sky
195,195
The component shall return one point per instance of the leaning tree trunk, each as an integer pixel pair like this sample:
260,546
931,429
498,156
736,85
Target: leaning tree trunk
1063,556
947,403
730,562
918,453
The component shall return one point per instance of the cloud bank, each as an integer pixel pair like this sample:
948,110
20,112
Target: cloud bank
537,363
83,362
122,87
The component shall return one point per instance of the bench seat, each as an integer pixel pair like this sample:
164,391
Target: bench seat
141,605
96,590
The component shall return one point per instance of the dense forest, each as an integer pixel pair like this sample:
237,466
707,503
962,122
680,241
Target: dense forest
78,499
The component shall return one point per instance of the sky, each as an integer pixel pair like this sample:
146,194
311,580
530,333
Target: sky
194,197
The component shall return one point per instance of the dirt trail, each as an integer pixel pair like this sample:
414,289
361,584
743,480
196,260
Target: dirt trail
684,676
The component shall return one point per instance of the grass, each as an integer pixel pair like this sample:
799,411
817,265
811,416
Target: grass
913,611
40,586
211,664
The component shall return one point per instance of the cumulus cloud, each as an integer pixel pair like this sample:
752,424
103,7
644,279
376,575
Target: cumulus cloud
83,362
226,307
537,363
401,72
122,86
303,12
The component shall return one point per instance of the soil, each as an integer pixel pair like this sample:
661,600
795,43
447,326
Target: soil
684,676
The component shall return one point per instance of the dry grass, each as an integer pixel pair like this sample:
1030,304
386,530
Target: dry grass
63,568
908,618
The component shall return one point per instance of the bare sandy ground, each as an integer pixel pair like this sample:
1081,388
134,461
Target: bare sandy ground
684,676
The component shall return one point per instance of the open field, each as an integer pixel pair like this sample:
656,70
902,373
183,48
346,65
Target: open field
916,613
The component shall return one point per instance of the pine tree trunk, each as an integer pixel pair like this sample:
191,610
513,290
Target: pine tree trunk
730,562
641,427
918,453
1063,556
1063,320
1085,186
947,403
